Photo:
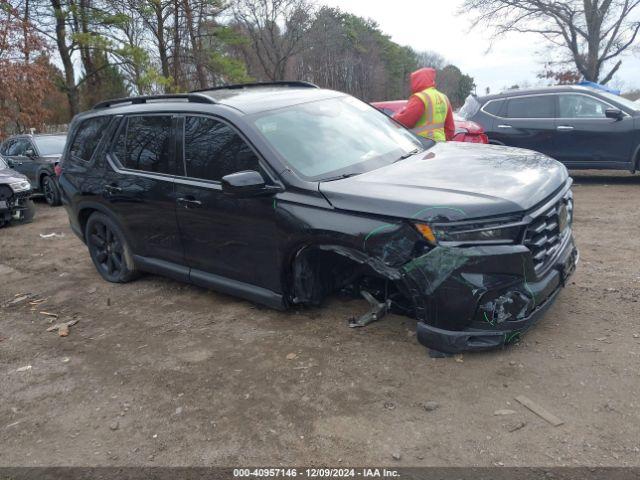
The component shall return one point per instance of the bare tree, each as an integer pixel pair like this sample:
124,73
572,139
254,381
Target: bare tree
589,33
429,58
276,30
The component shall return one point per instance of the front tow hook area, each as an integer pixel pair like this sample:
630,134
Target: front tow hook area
378,311
469,340
569,266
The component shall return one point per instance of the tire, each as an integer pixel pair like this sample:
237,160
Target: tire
6,194
109,250
50,190
29,212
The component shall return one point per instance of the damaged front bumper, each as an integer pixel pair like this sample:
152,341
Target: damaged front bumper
13,208
479,298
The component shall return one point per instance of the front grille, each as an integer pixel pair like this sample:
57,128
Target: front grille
21,195
12,199
543,236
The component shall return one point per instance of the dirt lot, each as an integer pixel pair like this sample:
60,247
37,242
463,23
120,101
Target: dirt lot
161,373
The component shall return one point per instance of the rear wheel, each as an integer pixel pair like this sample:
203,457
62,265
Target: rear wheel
50,190
109,250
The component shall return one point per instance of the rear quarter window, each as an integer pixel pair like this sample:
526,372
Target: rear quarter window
87,137
494,107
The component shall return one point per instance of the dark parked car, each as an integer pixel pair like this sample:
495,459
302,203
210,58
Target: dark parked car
15,196
284,193
36,156
579,126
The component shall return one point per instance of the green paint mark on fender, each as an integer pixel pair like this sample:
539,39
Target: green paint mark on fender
508,338
487,320
375,231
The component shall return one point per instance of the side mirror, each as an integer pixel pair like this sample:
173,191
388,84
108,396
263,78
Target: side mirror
614,113
13,163
29,153
244,184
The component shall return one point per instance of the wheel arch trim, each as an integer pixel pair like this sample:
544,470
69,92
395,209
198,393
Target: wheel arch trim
635,160
96,206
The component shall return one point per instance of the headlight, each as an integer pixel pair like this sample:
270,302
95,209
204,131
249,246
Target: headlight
489,233
21,186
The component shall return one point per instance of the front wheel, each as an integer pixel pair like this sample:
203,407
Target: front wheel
51,191
29,211
109,250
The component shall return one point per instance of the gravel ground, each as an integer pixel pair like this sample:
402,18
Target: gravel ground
161,373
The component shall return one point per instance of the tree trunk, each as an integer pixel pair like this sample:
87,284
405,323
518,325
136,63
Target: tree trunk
196,46
162,43
594,22
25,33
176,46
65,56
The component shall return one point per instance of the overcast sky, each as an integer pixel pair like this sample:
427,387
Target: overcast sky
436,25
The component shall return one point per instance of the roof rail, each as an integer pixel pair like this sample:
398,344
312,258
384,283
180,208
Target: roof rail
238,86
190,97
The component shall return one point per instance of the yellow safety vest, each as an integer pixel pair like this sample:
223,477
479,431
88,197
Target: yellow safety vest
431,123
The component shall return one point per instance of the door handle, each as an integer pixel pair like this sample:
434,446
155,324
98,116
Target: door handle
188,202
504,126
564,128
112,189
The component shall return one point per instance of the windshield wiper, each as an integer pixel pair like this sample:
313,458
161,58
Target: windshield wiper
339,177
409,154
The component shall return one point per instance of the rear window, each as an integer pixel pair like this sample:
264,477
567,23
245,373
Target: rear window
88,135
51,144
537,106
470,108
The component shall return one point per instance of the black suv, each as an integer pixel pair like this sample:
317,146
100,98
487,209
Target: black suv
284,193
36,156
581,127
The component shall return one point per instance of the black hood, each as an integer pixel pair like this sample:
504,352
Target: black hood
9,176
452,181
52,158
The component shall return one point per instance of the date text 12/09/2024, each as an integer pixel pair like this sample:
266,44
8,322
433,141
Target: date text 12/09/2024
315,473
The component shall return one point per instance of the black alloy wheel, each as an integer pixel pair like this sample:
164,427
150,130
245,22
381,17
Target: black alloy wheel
50,191
109,250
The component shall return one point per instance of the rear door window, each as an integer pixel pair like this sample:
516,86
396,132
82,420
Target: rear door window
213,149
88,135
145,143
537,106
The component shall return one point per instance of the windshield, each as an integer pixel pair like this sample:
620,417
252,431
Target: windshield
53,145
337,137
3,164
469,109
621,100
